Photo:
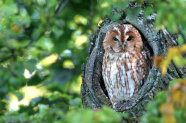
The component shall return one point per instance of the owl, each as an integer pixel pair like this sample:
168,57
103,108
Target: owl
124,67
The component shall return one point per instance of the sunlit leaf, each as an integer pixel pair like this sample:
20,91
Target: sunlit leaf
169,119
167,108
104,5
80,40
49,60
175,54
27,74
77,85
80,20
99,23
68,64
29,93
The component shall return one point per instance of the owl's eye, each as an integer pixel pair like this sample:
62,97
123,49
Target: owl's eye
115,39
130,38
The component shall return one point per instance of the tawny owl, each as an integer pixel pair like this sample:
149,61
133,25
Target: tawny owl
125,65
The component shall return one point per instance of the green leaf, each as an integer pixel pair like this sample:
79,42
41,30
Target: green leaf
15,44
19,95
75,102
160,97
36,79
172,82
2,107
180,40
55,95
30,65
43,109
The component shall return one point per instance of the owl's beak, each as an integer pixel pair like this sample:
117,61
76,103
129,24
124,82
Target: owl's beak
123,46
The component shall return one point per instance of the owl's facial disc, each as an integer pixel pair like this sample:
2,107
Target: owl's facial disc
122,38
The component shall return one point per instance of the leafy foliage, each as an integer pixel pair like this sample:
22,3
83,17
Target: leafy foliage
43,44
174,54
169,106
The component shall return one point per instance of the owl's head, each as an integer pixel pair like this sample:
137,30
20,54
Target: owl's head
122,38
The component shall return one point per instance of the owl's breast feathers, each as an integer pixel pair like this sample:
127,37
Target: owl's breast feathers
124,74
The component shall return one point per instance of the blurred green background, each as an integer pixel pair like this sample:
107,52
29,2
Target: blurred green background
43,44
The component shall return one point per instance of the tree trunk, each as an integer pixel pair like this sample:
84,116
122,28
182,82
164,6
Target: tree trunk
93,91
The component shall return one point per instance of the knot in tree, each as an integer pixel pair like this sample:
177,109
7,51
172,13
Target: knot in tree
120,71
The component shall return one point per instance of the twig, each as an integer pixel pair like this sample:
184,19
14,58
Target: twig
61,6
92,8
91,13
6,58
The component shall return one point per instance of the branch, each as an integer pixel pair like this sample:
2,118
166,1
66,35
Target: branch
29,43
8,57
